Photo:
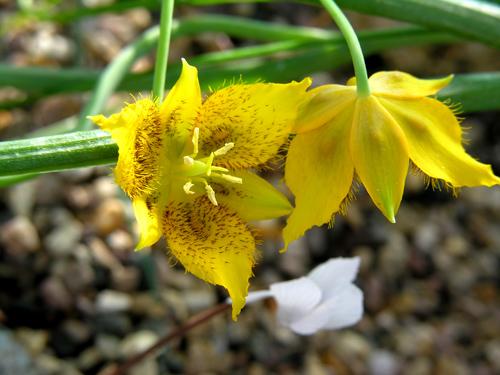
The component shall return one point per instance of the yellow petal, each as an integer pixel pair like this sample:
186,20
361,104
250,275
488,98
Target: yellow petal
435,145
380,155
139,133
180,108
326,102
403,85
147,220
254,199
319,171
257,118
213,243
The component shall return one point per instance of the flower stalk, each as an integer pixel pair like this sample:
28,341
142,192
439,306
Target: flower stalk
167,11
363,88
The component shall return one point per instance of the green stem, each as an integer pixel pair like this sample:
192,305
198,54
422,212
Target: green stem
167,11
55,153
353,43
112,76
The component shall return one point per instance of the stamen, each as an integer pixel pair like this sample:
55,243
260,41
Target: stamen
220,169
211,194
195,139
229,178
224,149
209,162
189,161
187,187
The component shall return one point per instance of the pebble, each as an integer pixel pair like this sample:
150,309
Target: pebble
109,216
55,294
15,359
201,299
64,239
383,362
109,301
19,236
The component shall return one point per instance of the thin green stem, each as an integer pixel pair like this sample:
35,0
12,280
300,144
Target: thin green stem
167,12
112,76
353,43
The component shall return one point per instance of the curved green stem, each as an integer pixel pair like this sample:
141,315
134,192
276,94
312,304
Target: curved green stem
353,43
167,11
113,75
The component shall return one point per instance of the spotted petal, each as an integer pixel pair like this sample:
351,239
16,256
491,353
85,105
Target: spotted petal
213,243
257,118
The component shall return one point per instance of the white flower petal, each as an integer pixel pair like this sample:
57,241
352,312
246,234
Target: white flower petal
296,298
333,273
343,309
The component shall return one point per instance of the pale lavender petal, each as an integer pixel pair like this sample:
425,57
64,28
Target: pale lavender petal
334,273
343,309
296,298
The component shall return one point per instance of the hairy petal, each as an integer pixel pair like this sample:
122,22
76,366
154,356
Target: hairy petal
213,243
319,171
435,142
402,85
179,110
139,133
326,102
257,118
254,199
147,220
380,155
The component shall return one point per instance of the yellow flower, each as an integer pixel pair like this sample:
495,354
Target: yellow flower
341,135
184,165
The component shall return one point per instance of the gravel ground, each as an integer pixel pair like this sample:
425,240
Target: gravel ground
76,299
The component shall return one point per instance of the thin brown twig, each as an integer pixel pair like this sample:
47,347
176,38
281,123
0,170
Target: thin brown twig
179,332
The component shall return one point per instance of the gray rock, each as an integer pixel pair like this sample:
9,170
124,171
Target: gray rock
109,301
14,358
19,236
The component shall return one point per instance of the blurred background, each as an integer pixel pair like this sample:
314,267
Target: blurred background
76,299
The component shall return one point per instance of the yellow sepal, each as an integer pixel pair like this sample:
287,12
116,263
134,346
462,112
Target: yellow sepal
380,155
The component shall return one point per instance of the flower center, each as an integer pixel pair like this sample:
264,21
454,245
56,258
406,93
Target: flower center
197,170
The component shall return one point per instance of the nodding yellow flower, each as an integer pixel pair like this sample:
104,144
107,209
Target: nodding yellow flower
341,136
184,163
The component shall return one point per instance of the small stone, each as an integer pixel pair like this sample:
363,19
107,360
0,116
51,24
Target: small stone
21,197
137,342
174,300
197,300
493,354
14,358
117,324
109,216
125,279
144,304
108,346
383,362
64,239
105,187
109,301
19,236
33,340
102,255
120,241
70,338
89,359
55,294
426,236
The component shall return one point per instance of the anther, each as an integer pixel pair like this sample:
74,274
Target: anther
211,194
189,161
195,139
224,149
187,187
